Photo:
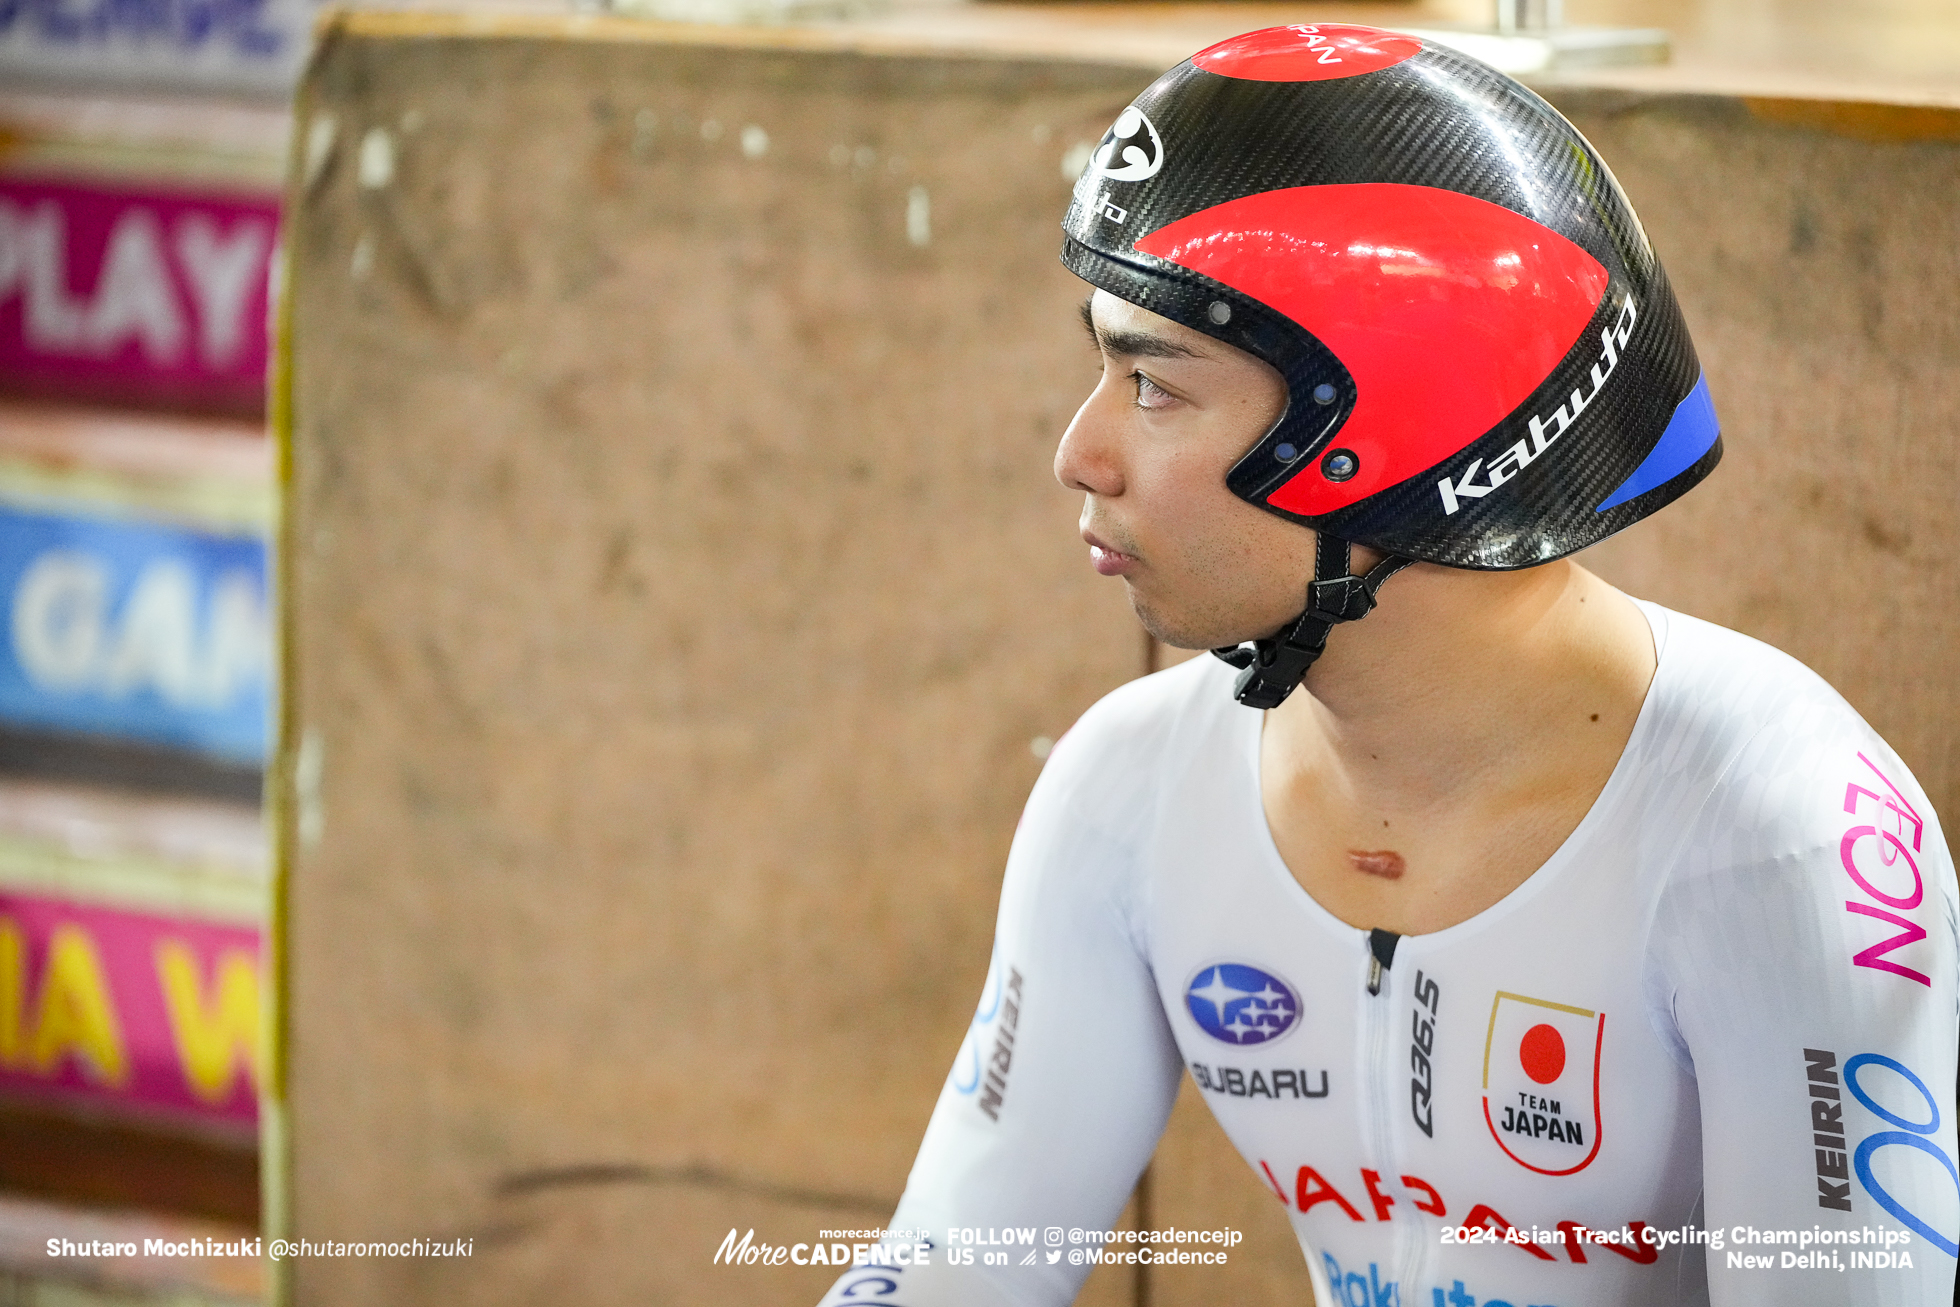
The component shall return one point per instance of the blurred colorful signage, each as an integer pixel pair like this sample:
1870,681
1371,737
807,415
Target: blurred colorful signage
139,630
129,1009
148,297
248,45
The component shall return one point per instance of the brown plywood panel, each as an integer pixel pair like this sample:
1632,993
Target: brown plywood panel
1815,254
676,583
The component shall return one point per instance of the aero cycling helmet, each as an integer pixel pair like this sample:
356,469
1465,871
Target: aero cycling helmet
1485,366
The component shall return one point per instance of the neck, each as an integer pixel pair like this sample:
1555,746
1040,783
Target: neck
1467,683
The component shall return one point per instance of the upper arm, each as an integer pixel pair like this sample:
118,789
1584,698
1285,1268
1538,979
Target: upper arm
1811,968
1058,1095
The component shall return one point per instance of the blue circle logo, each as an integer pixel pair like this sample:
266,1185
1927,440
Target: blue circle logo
966,1067
1241,1005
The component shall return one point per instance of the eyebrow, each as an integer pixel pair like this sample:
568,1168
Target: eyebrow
1133,344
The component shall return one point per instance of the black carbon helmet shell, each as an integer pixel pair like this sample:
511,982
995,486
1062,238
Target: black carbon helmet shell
1485,365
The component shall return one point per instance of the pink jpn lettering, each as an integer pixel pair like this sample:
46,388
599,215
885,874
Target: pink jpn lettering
1892,818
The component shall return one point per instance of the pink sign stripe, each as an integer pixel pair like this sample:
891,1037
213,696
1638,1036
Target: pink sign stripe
149,297
129,1009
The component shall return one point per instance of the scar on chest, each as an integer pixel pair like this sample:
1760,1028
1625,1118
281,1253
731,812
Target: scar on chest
1386,863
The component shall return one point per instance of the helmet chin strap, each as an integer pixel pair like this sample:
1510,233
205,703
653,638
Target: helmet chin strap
1272,667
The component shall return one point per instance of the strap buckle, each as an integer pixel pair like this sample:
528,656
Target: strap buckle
1271,668
1343,599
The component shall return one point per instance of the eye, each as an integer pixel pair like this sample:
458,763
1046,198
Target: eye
1150,394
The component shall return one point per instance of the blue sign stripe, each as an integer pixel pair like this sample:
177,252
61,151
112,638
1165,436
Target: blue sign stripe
1690,433
136,630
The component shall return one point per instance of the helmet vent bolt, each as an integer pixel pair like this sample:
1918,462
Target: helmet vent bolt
1285,453
1323,394
1220,312
1339,465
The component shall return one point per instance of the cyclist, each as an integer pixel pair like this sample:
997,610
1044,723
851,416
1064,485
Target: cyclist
1535,945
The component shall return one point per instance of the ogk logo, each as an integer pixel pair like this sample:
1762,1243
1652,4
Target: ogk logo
1541,1082
1131,150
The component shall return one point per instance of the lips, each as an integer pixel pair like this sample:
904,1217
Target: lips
1107,561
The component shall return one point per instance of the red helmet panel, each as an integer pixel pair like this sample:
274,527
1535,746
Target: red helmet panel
1307,52
1448,310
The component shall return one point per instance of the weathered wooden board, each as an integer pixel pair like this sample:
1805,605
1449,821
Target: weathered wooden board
1815,248
676,584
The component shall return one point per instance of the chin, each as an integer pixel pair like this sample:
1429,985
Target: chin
1185,630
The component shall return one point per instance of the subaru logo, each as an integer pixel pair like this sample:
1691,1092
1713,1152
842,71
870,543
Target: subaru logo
1241,1005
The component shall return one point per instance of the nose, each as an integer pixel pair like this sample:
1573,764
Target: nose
1089,459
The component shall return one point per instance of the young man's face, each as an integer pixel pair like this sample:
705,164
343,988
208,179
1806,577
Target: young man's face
1149,449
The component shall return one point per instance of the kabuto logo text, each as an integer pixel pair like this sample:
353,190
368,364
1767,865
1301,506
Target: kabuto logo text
1542,431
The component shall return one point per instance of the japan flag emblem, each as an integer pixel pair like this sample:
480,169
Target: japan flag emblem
1541,1082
